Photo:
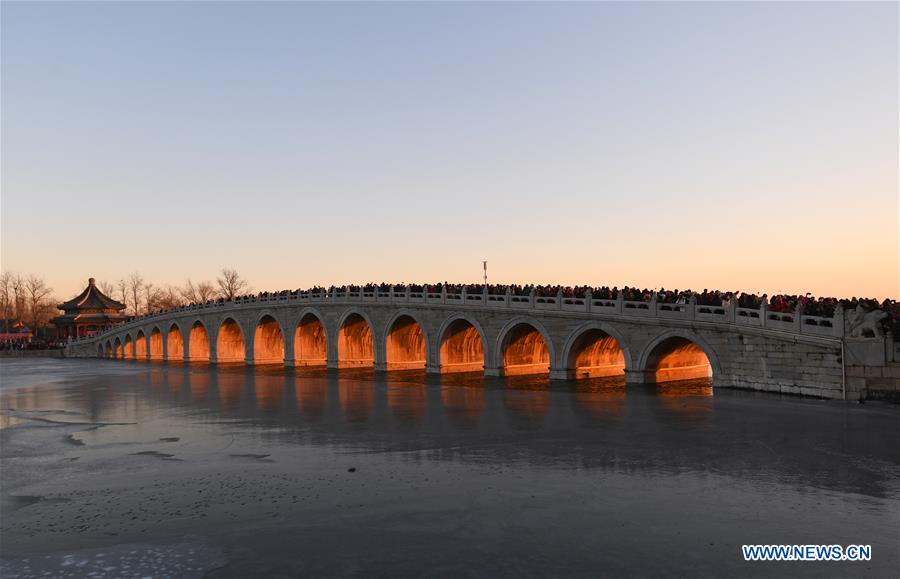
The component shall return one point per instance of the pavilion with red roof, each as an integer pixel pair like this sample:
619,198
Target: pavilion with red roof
88,313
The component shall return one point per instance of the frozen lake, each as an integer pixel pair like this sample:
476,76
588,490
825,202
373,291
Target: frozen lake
141,469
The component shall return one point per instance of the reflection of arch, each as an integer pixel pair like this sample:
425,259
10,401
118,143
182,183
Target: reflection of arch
355,342
312,396
604,397
140,346
229,342
231,388
269,391
406,401
405,342
310,340
524,347
527,400
198,342
678,355
462,345
156,344
268,341
199,383
175,343
463,402
119,352
128,348
357,399
595,349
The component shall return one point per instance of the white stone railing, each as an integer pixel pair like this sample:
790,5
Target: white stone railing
792,322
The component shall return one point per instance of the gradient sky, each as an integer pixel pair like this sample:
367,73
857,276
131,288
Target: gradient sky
721,145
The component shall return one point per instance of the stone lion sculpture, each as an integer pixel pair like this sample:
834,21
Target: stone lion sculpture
862,323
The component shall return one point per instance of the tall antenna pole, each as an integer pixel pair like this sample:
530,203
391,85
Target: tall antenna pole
484,263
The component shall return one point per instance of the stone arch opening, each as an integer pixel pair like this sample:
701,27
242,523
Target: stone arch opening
155,344
119,352
100,352
595,354
356,347
109,353
310,342
677,358
198,343
140,346
268,342
175,344
129,347
525,351
405,344
462,348
229,342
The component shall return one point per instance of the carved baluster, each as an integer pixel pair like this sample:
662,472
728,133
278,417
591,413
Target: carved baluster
837,322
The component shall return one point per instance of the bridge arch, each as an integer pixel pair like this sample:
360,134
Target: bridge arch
524,346
462,345
678,354
596,349
108,350
230,341
406,344
355,339
128,347
198,342
311,339
100,352
140,345
174,343
119,352
268,339
155,344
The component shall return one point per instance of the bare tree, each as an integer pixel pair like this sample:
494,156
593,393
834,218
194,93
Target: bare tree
166,298
107,288
206,291
123,293
188,292
135,285
231,284
6,304
163,298
198,293
150,296
40,308
18,289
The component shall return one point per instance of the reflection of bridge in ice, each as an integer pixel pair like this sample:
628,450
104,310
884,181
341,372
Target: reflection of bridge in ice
502,335
597,424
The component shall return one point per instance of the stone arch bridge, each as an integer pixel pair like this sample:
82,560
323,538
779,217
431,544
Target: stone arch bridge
567,337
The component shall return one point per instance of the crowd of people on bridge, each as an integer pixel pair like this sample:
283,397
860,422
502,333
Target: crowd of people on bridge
807,304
